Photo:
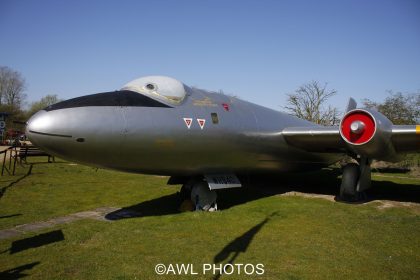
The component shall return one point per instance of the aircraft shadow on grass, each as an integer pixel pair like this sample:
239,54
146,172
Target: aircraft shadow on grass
325,182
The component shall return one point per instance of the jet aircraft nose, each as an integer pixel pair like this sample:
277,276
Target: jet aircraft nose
42,127
74,131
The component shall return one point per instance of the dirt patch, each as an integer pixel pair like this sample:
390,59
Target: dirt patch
96,214
380,204
311,195
386,204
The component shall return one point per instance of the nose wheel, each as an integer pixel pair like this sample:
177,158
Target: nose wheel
196,195
203,198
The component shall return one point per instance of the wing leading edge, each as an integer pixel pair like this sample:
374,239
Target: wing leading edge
325,139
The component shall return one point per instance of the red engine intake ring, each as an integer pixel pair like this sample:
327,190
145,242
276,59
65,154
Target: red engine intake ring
363,133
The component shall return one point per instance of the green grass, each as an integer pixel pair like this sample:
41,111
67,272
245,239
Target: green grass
302,238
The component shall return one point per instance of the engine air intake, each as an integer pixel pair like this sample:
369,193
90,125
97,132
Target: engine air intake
358,127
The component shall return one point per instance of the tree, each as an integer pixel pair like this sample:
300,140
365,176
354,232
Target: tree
12,86
12,96
398,108
41,104
308,102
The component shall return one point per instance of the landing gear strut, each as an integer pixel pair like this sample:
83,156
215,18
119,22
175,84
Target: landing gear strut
356,179
198,196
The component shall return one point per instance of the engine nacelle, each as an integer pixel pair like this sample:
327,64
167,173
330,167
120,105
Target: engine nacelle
368,133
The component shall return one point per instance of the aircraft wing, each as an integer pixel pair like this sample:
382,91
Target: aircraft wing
406,138
361,132
315,139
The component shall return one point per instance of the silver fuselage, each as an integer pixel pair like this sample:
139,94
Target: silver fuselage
240,137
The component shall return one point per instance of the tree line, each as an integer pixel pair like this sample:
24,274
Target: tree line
310,102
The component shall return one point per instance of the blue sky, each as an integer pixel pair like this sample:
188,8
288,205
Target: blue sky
258,50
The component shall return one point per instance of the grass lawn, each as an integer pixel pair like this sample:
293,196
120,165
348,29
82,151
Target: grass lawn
294,237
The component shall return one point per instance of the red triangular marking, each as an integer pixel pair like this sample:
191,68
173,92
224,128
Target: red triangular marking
188,122
201,122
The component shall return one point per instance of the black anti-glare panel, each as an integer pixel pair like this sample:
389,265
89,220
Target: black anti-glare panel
114,98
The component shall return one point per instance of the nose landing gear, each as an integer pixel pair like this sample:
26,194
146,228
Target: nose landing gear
196,195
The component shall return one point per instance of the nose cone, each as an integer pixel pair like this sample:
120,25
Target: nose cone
38,124
43,128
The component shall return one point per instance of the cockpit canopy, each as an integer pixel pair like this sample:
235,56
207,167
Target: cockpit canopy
158,87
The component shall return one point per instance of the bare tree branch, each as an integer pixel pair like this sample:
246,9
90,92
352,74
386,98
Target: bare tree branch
308,101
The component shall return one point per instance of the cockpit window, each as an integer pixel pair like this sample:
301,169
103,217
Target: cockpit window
161,88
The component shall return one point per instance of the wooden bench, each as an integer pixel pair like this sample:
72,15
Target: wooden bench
32,151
